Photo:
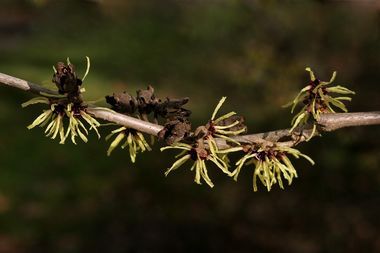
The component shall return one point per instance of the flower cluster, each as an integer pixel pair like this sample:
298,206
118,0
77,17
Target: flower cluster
205,147
317,99
135,141
54,117
66,106
224,126
270,165
198,155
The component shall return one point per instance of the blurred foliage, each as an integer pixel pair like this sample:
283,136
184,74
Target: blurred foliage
66,198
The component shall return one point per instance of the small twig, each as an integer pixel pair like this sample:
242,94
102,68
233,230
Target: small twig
24,85
124,120
327,122
331,122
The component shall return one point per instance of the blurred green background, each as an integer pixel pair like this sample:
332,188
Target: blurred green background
67,198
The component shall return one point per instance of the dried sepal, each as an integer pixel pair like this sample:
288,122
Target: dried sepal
65,78
123,102
134,141
175,131
177,126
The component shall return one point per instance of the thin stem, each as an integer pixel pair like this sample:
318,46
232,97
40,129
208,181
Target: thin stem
24,85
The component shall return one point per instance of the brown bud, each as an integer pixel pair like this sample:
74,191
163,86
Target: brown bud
122,102
175,131
65,79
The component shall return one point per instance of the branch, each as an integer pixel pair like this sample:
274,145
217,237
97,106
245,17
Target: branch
331,122
327,122
124,120
24,85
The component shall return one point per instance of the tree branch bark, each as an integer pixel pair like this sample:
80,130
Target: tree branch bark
331,122
24,85
124,120
327,122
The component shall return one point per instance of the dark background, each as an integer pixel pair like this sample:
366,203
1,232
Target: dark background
67,198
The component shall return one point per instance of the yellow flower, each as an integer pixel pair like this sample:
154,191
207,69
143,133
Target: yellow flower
199,156
54,119
135,141
271,164
317,100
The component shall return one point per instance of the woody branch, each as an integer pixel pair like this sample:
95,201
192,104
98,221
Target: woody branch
327,122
